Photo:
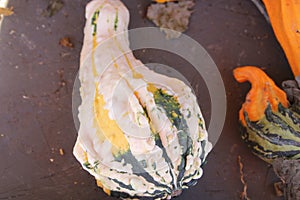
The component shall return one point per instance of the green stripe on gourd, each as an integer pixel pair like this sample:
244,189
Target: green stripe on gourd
172,107
274,136
138,168
116,21
94,21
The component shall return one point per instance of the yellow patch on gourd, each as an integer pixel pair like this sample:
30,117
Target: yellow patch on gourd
174,114
109,128
151,88
99,184
107,191
85,156
135,74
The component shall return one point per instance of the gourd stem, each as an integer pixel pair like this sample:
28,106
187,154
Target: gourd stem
263,92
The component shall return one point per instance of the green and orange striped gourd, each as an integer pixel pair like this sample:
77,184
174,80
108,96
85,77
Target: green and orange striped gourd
270,126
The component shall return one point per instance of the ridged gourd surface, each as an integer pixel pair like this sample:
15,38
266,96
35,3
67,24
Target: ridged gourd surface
141,133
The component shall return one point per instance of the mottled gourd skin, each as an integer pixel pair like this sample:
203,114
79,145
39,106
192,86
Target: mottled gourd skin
270,127
141,133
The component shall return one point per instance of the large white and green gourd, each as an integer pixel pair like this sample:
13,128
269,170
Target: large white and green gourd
141,133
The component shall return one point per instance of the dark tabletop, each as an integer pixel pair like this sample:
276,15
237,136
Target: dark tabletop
36,81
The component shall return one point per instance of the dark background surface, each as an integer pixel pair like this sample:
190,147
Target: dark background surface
36,80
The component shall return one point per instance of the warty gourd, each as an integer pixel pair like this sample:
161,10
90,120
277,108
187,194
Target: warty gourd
141,133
